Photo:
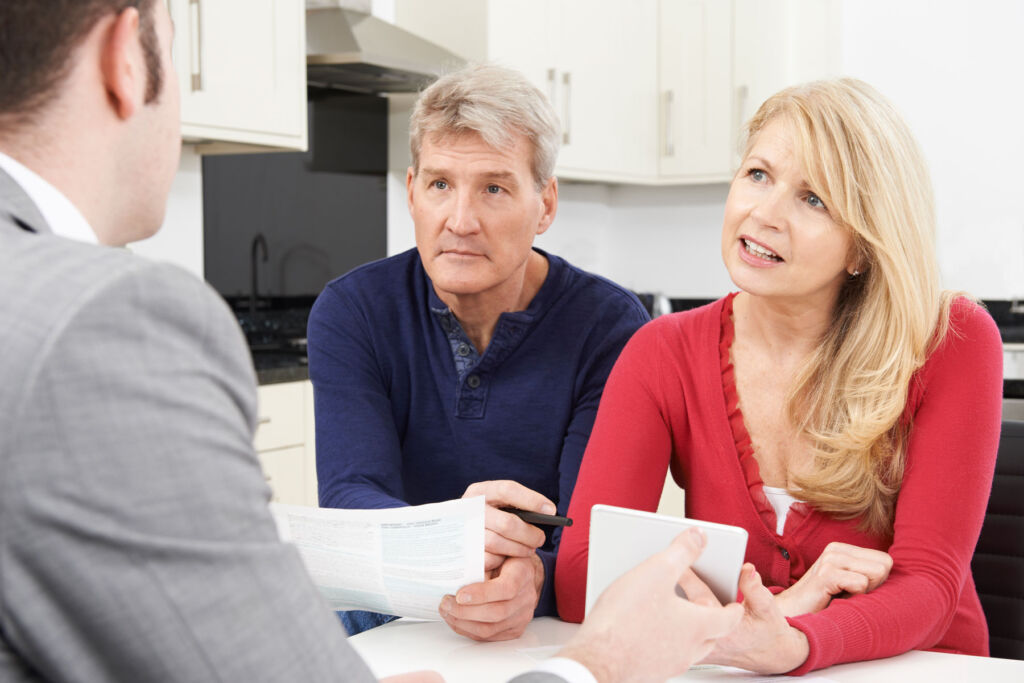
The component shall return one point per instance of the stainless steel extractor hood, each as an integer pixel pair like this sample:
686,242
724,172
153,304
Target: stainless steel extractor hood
355,51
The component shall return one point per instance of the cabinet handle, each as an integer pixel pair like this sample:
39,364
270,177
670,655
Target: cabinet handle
670,148
567,106
552,86
263,421
196,29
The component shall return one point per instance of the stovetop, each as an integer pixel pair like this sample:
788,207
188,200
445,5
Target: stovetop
276,333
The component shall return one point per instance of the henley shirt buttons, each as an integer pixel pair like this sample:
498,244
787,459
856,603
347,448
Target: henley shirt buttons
473,381
463,349
785,553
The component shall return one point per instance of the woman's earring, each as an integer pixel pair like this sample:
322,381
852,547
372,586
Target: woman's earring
855,273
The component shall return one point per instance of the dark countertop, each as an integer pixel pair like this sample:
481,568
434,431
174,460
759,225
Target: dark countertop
295,373
276,333
1007,317
279,366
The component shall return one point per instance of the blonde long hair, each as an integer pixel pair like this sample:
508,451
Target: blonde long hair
849,401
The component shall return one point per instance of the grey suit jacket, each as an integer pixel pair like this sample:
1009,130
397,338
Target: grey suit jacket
135,541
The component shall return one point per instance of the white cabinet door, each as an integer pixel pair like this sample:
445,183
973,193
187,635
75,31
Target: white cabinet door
607,59
697,125
242,70
285,471
779,43
284,441
522,35
596,60
282,416
648,91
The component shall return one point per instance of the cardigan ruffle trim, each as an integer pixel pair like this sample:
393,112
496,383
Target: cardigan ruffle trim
744,445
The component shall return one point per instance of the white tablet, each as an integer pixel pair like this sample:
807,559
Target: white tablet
621,538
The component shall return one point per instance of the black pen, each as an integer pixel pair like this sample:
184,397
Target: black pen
538,518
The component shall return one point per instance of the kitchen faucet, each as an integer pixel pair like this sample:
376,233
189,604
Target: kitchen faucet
258,242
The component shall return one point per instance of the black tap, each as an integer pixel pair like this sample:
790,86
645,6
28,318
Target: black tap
258,242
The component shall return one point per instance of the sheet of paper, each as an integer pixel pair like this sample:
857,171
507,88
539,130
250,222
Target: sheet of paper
397,561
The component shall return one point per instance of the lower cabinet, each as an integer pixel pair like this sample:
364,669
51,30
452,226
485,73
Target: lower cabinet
285,442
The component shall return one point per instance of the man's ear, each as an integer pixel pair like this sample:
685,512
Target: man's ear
549,199
410,177
122,65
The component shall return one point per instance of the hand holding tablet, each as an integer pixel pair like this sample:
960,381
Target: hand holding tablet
621,538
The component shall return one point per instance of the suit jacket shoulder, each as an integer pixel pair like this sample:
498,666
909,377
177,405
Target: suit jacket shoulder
136,543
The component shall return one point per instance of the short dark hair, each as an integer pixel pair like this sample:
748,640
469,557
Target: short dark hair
37,38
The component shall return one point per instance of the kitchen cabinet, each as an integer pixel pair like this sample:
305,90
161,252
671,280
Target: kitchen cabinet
698,128
778,43
596,60
241,68
650,91
284,442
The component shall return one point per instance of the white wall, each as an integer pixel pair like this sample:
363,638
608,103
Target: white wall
954,70
180,240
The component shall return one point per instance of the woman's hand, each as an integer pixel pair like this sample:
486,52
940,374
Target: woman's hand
841,568
763,642
505,535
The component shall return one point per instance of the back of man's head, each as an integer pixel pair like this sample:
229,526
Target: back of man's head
37,40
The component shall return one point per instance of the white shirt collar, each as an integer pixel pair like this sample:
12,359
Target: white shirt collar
60,214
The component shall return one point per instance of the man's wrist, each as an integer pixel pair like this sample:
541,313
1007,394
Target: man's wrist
796,651
566,668
590,657
538,574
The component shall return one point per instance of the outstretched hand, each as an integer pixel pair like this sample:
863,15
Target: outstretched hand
640,629
763,641
414,677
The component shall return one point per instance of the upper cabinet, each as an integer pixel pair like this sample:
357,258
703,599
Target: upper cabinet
648,91
241,68
598,66
696,118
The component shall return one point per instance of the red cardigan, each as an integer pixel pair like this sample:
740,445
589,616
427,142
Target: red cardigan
664,406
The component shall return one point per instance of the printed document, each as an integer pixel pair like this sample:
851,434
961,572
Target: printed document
398,561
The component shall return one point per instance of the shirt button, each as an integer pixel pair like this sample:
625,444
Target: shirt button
463,349
473,381
785,553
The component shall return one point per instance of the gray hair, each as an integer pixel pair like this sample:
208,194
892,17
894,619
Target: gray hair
493,102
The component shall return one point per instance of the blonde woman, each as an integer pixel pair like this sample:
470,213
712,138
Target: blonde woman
841,407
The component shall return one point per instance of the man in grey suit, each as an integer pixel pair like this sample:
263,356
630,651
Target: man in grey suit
135,540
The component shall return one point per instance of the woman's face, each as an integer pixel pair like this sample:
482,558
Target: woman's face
778,238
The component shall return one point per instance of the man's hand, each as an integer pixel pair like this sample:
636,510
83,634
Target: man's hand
414,677
640,629
763,641
500,607
841,568
505,535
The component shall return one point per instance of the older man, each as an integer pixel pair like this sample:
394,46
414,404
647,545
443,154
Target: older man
473,364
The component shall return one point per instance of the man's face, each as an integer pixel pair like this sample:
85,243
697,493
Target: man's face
476,211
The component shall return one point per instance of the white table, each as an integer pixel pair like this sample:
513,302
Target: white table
406,645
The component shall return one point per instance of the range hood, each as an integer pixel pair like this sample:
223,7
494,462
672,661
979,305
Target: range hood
350,50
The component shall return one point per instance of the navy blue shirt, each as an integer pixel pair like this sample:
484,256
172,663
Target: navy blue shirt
407,412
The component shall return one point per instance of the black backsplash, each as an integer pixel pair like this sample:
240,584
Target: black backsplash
293,221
